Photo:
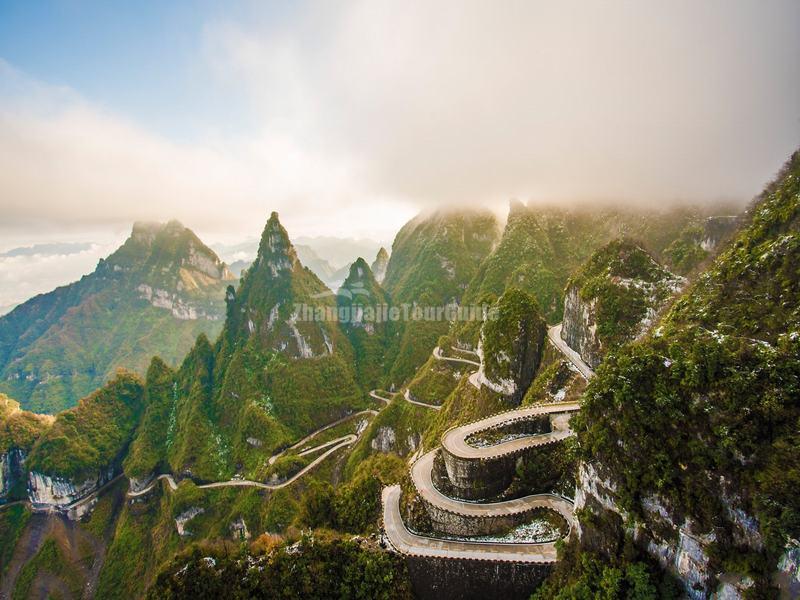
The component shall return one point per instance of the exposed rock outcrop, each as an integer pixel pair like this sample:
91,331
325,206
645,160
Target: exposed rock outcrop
56,493
384,441
614,299
136,485
579,327
717,229
239,529
788,575
185,517
171,301
675,543
11,469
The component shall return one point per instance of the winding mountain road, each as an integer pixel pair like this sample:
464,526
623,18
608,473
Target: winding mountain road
474,377
437,354
421,474
166,477
315,433
554,334
332,446
411,544
374,394
407,396
341,442
454,442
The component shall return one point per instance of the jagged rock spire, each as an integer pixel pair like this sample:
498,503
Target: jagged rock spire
380,264
361,285
276,250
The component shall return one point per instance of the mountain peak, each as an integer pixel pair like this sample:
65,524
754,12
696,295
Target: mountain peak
380,264
359,273
146,231
359,263
275,249
162,249
264,303
515,206
163,278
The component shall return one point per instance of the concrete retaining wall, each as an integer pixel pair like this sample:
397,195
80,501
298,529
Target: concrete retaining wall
446,522
472,479
479,479
446,579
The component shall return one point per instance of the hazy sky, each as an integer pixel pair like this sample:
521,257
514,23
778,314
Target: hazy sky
349,117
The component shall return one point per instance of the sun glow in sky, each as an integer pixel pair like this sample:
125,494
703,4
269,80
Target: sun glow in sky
349,117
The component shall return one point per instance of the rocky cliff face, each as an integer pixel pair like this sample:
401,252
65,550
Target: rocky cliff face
718,229
691,432
182,519
180,308
677,546
19,430
11,468
614,298
579,328
53,492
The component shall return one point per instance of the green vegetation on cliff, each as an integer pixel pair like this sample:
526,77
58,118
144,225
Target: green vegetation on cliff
87,439
358,301
148,450
319,565
19,428
437,379
397,430
703,414
12,523
541,247
513,343
275,373
434,257
624,286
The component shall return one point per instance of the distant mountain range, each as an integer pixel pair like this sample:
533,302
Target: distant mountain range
154,295
328,257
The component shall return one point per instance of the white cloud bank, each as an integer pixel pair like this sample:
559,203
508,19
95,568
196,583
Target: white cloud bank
22,277
472,101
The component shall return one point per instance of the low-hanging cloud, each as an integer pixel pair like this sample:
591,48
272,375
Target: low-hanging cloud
475,101
67,163
365,112
25,275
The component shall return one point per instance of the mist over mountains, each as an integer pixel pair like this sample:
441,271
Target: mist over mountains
400,300
326,436
329,257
